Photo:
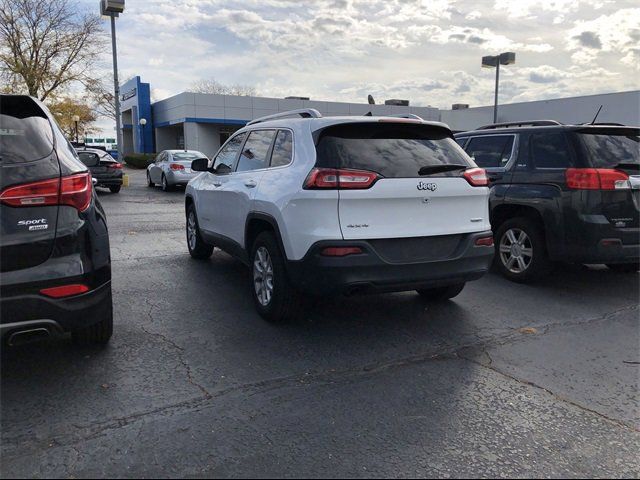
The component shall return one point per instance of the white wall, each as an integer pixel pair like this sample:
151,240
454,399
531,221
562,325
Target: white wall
623,107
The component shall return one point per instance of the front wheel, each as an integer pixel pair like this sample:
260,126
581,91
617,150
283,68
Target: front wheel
521,251
115,188
198,249
273,295
441,293
624,267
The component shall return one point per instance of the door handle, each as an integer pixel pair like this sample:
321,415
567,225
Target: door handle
250,183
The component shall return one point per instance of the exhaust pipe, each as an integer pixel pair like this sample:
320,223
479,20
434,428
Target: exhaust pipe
28,336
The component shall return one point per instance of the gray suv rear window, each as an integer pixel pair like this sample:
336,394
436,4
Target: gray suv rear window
25,131
394,150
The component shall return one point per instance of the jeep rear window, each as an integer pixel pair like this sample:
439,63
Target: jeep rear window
609,150
25,131
394,150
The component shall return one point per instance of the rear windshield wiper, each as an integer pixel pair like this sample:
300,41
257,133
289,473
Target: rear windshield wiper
445,167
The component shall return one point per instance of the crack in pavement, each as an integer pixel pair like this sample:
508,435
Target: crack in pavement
326,377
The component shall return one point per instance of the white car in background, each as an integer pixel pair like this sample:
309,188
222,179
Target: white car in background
172,167
337,205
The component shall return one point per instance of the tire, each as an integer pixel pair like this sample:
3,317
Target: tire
624,267
521,251
441,293
98,333
198,249
165,185
284,303
149,182
115,188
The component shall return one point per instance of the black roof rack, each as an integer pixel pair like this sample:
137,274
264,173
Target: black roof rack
526,123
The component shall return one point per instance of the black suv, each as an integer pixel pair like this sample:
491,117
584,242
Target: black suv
54,245
560,193
106,171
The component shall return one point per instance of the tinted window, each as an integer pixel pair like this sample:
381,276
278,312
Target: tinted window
491,151
187,155
461,141
282,149
229,152
393,150
254,154
606,151
89,159
25,131
550,150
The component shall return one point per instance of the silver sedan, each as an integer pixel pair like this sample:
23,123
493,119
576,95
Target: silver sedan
172,167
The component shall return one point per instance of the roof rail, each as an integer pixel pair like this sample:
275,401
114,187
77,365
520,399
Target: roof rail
526,123
303,112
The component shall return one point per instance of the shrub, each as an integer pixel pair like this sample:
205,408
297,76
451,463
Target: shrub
139,160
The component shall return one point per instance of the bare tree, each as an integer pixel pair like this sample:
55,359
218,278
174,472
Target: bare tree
46,45
102,97
213,86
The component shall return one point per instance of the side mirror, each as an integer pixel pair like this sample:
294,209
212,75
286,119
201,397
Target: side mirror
223,169
94,181
200,165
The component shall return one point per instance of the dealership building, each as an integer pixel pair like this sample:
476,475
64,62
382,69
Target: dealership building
203,122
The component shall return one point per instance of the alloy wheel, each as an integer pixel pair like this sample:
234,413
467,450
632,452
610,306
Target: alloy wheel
263,276
516,250
191,231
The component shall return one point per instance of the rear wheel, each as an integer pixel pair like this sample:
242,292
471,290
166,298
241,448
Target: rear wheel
166,187
275,298
624,267
521,252
98,333
115,188
441,293
198,249
149,182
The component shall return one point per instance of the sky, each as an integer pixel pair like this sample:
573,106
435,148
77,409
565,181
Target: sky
427,51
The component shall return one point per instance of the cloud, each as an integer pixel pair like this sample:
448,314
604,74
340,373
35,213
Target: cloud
589,40
427,51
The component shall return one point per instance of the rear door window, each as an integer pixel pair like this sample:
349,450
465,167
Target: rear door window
25,131
550,150
227,156
255,152
393,150
491,150
282,149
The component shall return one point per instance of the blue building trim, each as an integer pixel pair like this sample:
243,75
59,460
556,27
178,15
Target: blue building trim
136,97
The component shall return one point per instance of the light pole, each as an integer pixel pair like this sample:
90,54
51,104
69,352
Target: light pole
113,8
76,119
494,61
143,122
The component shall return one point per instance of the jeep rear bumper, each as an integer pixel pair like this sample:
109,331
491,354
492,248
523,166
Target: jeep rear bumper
371,271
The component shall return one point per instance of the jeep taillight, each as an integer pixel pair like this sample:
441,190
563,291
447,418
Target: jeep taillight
596,179
334,178
74,190
477,177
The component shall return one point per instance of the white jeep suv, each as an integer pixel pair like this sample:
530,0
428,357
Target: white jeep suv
317,205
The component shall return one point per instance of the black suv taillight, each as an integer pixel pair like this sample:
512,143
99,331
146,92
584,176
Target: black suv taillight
74,190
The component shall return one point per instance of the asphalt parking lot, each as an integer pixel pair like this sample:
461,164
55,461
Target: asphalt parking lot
506,380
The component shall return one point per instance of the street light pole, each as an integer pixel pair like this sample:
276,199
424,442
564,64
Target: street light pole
116,85
143,122
76,119
494,61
